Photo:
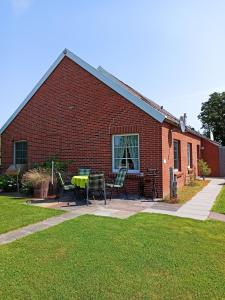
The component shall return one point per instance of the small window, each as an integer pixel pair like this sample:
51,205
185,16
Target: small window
198,152
176,149
189,155
126,153
20,153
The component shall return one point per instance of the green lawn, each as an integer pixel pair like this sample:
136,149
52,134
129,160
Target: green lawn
219,205
147,256
14,213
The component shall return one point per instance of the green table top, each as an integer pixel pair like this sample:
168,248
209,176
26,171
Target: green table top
80,180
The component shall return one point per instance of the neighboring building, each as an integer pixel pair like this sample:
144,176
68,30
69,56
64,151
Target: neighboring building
87,115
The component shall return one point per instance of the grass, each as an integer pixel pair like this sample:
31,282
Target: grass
144,257
219,205
14,213
188,191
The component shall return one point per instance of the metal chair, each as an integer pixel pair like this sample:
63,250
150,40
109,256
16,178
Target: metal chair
64,188
84,171
119,182
96,183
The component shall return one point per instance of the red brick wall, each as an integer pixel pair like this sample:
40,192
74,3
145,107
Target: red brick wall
210,154
73,115
168,155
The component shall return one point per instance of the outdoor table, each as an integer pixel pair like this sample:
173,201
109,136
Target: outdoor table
80,181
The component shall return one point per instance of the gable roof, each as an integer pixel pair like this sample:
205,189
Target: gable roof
148,106
168,115
156,106
114,85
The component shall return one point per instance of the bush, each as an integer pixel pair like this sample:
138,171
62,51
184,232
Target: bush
203,168
8,183
26,189
59,165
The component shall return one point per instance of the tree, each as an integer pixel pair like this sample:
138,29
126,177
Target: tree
212,116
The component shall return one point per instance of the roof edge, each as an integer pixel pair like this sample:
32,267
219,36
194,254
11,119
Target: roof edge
109,82
34,90
118,88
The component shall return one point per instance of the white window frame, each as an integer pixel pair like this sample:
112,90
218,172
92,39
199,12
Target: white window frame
129,171
14,151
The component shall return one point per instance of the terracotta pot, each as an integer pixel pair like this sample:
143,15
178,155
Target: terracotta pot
51,196
41,190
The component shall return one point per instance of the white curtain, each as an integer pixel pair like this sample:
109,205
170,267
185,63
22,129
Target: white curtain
132,145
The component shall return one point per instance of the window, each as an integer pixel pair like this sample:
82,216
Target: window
198,152
20,153
189,155
176,149
126,152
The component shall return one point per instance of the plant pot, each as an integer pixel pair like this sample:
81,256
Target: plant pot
51,196
41,190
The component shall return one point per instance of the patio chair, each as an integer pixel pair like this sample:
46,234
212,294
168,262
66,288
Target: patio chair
64,187
119,182
96,183
84,171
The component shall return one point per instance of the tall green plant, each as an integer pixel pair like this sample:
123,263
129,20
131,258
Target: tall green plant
203,168
59,165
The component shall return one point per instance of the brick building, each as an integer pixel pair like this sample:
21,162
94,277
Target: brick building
87,115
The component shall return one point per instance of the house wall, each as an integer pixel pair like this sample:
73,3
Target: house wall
73,115
210,154
169,133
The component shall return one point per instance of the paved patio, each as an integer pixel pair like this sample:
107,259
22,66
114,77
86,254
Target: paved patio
116,208
197,208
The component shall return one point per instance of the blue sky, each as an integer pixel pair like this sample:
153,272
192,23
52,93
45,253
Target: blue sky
171,51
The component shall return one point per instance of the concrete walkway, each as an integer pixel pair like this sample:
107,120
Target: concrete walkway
11,236
199,206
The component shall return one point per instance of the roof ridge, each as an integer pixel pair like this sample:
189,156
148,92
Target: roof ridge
141,96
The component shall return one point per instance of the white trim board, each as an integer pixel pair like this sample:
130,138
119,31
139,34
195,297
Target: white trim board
99,75
113,157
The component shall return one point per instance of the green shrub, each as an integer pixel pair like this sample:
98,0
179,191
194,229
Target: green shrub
8,183
26,189
59,165
203,168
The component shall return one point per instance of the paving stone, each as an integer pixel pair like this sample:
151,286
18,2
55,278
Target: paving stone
217,216
123,214
159,211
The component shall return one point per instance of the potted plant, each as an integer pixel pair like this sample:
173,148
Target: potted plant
39,179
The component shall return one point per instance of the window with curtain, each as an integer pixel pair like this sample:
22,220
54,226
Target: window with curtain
176,149
189,155
20,153
126,152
